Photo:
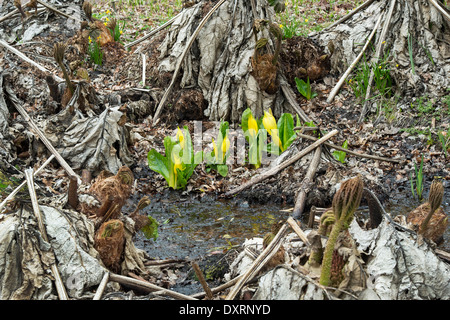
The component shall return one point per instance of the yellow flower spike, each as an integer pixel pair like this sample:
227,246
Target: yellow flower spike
281,26
106,19
90,39
180,138
252,126
269,121
177,163
306,20
225,145
108,12
120,31
105,23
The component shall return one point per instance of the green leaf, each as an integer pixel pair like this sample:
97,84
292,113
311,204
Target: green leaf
340,155
151,230
286,129
158,163
222,169
305,88
224,126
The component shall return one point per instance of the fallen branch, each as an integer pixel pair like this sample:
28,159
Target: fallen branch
62,294
220,288
44,139
147,286
201,278
181,58
26,59
294,225
442,254
57,11
11,14
101,286
281,166
362,155
350,14
168,23
262,259
440,8
376,57
143,69
163,262
16,190
347,72
306,183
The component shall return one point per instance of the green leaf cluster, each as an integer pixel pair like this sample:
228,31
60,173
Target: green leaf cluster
255,137
179,162
255,131
217,158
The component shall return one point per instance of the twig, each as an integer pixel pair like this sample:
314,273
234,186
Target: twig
12,194
441,9
25,58
143,69
294,225
442,254
168,23
147,286
162,262
101,286
307,180
220,288
181,58
58,11
281,166
347,72
262,259
350,14
44,139
62,294
362,155
9,14
376,57
201,278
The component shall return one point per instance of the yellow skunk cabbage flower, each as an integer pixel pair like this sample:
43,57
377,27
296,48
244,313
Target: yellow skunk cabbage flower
270,124
180,137
177,163
252,126
225,147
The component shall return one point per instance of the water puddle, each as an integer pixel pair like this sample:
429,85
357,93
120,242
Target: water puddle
193,228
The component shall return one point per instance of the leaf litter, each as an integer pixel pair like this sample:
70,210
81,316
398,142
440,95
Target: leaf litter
114,84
